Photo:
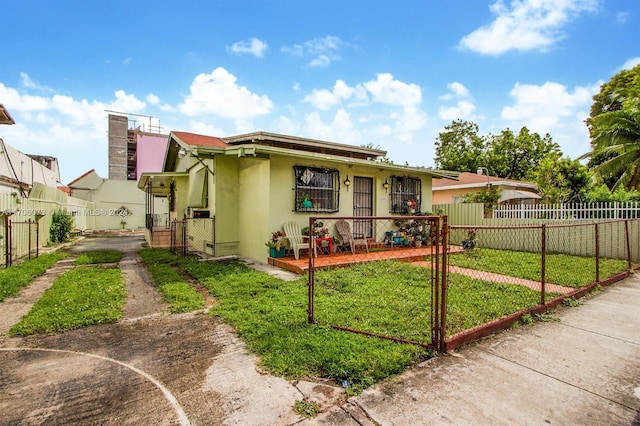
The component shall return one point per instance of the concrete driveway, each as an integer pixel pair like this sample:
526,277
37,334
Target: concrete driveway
150,368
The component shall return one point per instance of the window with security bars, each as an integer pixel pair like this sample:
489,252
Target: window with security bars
316,189
406,194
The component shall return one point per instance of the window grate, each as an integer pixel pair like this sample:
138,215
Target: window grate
406,195
316,189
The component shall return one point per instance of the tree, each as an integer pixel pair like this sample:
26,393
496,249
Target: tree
621,93
488,196
602,194
460,148
562,180
616,142
517,157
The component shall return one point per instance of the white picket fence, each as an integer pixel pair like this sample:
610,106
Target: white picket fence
571,211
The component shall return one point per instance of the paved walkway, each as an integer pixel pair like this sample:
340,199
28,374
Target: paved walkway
583,369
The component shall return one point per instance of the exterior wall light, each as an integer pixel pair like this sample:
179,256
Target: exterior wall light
385,185
347,182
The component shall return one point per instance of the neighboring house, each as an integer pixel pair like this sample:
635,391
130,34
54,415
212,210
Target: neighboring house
252,184
118,204
446,191
19,172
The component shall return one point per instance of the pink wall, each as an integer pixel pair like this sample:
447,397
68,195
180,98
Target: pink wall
150,153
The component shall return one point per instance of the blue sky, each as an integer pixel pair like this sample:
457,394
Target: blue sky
392,74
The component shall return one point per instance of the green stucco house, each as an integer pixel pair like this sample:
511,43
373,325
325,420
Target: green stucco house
252,184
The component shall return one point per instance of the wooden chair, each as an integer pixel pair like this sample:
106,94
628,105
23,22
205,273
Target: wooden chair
297,240
344,229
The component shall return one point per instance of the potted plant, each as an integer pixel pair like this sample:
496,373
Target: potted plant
275,244
306,201
470,242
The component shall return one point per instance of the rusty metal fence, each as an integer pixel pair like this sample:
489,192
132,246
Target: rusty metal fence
463,282
18,240
357,283
545,264
193,236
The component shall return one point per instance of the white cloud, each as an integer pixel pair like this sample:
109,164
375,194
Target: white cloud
464,108
456,91
323,51
622,17
525,25
15,101
152,99
73,130
552,108
218,94
253,46
385,89
28,83
631,63
324,99
340,129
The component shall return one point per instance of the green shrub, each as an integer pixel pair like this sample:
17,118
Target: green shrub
61,225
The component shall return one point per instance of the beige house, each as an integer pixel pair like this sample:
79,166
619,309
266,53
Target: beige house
252,184
118,204
447,191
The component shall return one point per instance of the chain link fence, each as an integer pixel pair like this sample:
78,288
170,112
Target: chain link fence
533,268
378,276
193,236
415,279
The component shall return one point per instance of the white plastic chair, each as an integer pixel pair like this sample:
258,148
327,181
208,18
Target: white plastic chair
296,239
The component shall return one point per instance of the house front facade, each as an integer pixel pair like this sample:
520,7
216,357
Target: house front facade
252,184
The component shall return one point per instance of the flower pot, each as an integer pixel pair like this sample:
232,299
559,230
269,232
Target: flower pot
276,253
307,204
468,244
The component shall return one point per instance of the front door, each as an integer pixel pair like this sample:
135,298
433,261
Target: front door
363,205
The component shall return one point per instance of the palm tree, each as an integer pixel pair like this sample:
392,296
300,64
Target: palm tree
616,138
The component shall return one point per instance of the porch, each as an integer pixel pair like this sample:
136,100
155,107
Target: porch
341,259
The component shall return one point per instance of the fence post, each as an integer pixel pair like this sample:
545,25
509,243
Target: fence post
626,236
29,238
597,248
311,275
185,224
543,260
9,243
443,299
37,239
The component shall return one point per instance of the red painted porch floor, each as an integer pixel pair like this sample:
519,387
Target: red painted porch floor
336,260
413,255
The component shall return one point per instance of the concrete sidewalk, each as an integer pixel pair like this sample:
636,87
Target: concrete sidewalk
581,370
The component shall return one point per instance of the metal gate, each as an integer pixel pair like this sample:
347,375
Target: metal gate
193,235
374,297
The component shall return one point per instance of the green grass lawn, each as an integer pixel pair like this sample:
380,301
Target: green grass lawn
271,316
384,297
14,278
562,269
79,297
98,256
164,268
